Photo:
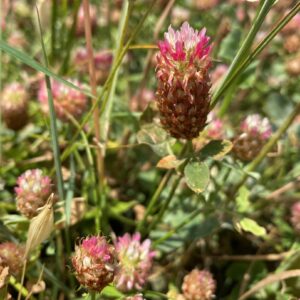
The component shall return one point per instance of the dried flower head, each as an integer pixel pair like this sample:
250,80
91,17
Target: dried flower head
183,81
257,126
14,105
293,66
94,263
32,190
254,133
135,262
291,43
67,101
295,216
199,285
11,256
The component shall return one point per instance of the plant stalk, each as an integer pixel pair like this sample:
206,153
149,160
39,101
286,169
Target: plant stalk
93,84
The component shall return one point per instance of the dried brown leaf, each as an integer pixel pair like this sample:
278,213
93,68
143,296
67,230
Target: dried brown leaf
40,226
169,162
3,276
269,280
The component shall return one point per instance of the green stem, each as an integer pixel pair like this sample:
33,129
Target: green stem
159,190
170,233
268,146
155,198
166,204
92,295
168,200
18,287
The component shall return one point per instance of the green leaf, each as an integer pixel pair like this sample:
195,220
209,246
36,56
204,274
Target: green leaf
250,225
156,137
29,61
196,176
216,149
121,207
242,200
111,292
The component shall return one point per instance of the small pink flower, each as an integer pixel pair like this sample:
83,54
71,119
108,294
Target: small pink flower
135,262
295,216
66,100
32,190
94,263
182,49
256,125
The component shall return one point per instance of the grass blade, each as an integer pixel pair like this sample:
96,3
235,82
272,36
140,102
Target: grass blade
53,128
26,59
261,46
245,47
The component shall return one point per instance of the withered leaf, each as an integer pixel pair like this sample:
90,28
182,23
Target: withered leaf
40,226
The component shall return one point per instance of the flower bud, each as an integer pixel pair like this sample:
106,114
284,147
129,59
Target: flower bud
14,105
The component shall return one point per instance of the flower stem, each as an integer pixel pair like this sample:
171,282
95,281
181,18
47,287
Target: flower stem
93,84
170,233
159,190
